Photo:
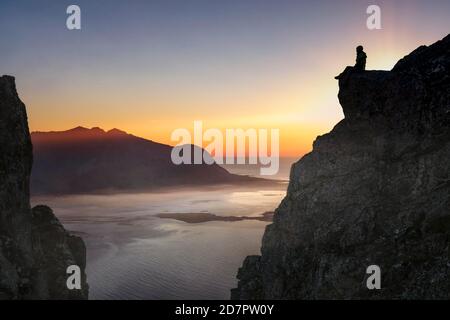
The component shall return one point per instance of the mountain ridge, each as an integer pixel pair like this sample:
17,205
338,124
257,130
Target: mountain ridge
82,160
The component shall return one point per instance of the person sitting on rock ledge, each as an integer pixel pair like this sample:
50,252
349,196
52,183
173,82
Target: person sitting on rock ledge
360,65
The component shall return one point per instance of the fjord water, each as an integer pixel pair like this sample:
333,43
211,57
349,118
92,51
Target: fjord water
132,254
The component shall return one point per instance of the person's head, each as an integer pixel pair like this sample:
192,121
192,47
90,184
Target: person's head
359,48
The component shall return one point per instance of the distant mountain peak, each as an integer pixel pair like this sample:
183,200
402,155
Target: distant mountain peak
97,129
80,128
79,132
82,160
116,132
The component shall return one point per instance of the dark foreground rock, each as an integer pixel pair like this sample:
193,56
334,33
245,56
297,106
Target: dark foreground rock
35,249
374,191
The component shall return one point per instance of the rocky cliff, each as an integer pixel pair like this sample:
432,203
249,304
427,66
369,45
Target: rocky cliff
35,249
374,191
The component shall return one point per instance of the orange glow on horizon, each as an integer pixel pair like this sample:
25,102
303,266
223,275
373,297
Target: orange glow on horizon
301,103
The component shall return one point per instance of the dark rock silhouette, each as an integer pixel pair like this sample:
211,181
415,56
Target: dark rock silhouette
84,160
374,191
35,249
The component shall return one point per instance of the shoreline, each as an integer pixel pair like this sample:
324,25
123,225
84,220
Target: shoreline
202,217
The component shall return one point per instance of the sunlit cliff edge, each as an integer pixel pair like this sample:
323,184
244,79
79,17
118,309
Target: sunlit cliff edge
374,191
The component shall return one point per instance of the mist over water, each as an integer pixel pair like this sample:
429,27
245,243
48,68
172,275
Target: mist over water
254,170
132,254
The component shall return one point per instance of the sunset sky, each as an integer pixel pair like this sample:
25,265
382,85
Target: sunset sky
150,67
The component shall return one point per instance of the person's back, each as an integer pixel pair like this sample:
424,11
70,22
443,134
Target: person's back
361,58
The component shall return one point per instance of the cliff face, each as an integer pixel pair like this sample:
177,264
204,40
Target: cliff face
35,250
374,191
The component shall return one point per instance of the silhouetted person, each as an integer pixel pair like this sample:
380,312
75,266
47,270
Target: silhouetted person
360,65
361,58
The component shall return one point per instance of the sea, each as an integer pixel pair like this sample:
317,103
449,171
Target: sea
132,254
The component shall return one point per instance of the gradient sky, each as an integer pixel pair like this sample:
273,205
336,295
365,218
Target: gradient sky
149,67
